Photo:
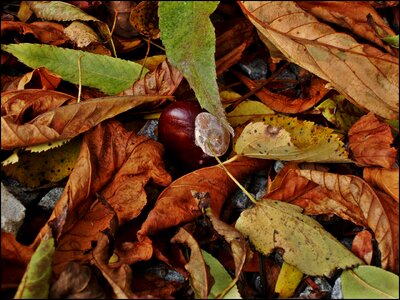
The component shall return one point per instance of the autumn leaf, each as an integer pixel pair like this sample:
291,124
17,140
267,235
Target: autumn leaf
67,121
362,246
271,224
285,138
81,34
386,180
283,104
177,204
189,39
197,268
370,142
246,111
332,56
288,280
45,32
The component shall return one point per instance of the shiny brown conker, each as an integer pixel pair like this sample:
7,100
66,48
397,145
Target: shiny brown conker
176,131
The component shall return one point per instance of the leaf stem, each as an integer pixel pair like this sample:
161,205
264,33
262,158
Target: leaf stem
79,79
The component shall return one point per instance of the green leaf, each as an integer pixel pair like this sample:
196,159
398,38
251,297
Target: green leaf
285,138
308,246
110,75
189,39
369,282
392,40
340,112
35,283
222,279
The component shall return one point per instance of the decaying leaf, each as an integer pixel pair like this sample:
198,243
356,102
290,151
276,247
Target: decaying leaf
76,281
144,19
351,198
45,32
36,280
281,103
42,168
369,282
271,224
370,142
285,138
385,179
189,39
108,74
67,121
362,246
81,34
13,251
340,112
332,56
199,273
176,204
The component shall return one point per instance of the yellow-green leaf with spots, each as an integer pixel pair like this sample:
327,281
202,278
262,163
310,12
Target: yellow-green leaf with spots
36,169
280,137
306,244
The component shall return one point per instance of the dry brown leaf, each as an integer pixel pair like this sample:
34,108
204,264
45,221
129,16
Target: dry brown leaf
385,179
132,252
78,282
351,15
332,56
176,204
144,19
13,251
199,273
67,121
362,246
164,80
46,32
284,104
353,199
25,105
40,78
370,140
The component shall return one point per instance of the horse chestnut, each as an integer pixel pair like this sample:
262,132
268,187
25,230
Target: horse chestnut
184,135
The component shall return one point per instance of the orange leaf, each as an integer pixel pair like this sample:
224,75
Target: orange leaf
177,203
385,179
370,140
362,246
284,104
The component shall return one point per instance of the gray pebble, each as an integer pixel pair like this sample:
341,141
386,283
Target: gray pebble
50,199
12,212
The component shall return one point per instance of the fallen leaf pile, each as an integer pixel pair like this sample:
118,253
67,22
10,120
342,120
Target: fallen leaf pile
305,202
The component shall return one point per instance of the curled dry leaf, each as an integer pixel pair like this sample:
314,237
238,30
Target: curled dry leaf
67,121
13,251
386,180
351,198
144,19
105,160
281,103
332,56
46,32
78,282
132,252
164,80
40,78
197,268
370,142
176,204
81,34
351,15
362,246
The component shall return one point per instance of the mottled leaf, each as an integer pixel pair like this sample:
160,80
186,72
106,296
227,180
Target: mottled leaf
67,121
370,142
285,138
333,56
81,34
362,246
385,179
189,39
178,203
36,281
369,282
108,74
271,224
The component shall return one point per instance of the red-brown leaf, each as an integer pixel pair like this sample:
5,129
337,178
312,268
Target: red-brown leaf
362,246
370,140
386,180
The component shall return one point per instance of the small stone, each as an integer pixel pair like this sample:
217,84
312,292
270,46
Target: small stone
25,195
256,69
12,212
149,129
50,199
337,290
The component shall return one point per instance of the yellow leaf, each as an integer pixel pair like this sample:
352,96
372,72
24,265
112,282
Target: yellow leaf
285,138
288,280
247,110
